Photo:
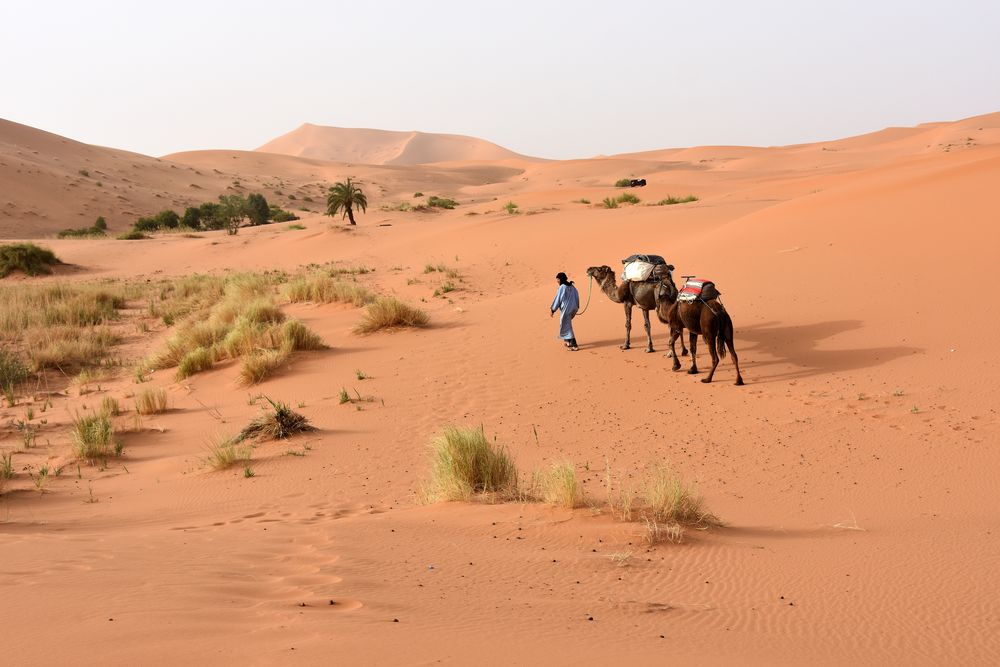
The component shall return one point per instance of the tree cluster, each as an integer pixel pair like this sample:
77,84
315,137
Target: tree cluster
229,213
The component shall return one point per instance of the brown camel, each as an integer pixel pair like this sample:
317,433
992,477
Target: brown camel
646,295
706,318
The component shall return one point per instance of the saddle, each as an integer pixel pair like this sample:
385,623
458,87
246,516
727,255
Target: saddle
698,289
643,268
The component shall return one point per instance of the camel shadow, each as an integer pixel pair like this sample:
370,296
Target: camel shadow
797,346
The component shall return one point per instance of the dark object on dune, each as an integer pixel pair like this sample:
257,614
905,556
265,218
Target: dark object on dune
282,423
637,183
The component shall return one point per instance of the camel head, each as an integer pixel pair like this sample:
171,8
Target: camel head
600,273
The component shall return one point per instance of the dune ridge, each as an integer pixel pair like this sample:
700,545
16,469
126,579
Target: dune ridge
382,147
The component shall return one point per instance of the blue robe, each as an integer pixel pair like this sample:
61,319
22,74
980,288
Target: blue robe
568,302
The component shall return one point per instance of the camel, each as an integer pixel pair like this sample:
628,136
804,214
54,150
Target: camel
705,318
646,295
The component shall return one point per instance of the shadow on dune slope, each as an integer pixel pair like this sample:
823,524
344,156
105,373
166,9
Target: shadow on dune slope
796,346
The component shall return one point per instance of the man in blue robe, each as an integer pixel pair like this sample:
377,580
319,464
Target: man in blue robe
567,301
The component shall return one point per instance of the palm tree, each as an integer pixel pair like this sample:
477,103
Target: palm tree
343,197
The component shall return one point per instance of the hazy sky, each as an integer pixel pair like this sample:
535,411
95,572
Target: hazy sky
554,79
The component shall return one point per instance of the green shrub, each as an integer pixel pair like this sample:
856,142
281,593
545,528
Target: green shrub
441,202
167,219
670,201
191,218
623,183
627,198
610,203
257,209
276,214
418,194
510,207
132,235
27,258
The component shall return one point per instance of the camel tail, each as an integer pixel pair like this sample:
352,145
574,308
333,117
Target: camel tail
724,333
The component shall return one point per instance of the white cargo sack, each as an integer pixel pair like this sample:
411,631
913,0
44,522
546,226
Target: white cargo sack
638,271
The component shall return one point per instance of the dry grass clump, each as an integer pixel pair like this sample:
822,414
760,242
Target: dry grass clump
321,288
93,437
669,499
259,365
26,306
657,533
227,452
296,336
67,348
12,369
465,464
151,401
6,469
244,324
389,312
559,486
197,360
279,423
110,406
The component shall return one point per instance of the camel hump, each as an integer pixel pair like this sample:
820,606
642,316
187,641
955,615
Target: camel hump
698,288
649,259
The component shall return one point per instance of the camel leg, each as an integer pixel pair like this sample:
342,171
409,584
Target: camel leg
736,361
694,349
628,327
649,333
710,341
673,351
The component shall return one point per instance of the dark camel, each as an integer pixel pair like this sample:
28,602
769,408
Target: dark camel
646,295
705,318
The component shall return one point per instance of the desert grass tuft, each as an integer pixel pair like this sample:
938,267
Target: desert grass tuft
93,437
196,361
259,365
110,406
560,486
277,424
465,464
669,499
321,288
297,337
657,533
151,401
223,453
387,313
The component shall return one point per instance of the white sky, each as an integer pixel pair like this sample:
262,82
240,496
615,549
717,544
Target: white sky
553,79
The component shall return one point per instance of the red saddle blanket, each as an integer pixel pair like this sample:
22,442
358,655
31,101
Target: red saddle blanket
698,288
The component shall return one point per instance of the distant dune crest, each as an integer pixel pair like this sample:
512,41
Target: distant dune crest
383,147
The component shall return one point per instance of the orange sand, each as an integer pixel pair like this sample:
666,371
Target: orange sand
854,470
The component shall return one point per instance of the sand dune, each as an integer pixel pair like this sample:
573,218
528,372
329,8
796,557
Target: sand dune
366,146
854,470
